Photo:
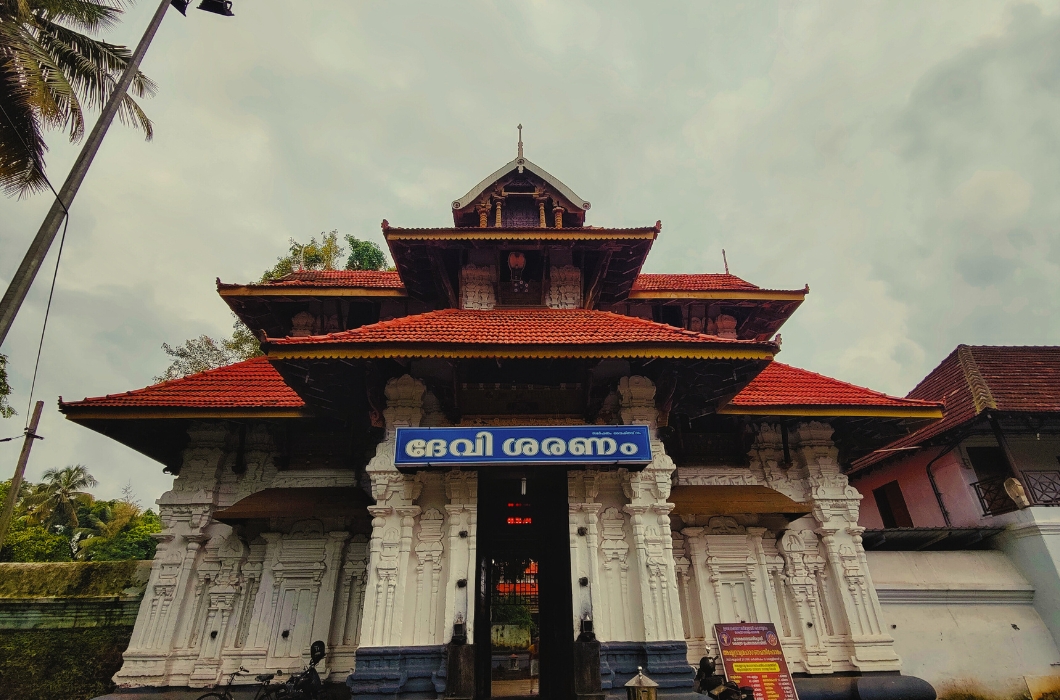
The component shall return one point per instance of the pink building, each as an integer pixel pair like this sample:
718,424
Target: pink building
962,526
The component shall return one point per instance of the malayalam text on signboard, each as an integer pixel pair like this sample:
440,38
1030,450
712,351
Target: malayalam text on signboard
752,656
581,444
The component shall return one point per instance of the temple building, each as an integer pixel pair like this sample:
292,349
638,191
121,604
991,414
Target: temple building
464,474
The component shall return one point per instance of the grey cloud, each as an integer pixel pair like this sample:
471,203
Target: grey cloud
902,159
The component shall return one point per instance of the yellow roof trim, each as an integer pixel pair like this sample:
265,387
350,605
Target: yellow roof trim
269,291
338,351
75,413
761,294
507,234
835,411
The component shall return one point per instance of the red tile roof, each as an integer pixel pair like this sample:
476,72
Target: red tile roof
975,378
531,328
253,383
689,283
781,385
370,279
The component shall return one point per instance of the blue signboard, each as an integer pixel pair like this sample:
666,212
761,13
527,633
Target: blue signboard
628,445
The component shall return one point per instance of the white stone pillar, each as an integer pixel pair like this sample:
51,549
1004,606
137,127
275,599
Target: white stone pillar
649,512
835,508
461,488
394,517
326,595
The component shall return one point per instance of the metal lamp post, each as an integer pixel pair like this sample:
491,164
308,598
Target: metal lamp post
38,249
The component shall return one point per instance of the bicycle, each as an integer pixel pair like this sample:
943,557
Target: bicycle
266,691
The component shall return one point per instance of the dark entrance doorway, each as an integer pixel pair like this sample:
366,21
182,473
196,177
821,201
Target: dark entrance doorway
524,640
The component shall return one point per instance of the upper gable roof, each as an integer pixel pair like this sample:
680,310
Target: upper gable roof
517,164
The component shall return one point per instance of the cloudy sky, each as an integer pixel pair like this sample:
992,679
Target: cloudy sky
901,158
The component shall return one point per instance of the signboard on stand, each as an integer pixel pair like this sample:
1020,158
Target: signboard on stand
752,656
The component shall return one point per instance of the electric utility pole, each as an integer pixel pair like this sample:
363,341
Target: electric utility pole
20,470
38,249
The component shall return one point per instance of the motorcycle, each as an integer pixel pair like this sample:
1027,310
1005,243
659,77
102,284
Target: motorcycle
305,685
708,682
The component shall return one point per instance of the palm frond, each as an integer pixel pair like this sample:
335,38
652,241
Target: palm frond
93,69
22,145
86,15
52,94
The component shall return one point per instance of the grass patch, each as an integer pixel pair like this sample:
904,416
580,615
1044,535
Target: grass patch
66,664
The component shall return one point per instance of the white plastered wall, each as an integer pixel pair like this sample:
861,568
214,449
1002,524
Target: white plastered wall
963,618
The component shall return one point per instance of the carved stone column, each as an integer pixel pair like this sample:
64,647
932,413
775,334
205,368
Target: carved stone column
461,488
835,508
558,211
582,516
428,577
164,621
327,593
393,521
615,621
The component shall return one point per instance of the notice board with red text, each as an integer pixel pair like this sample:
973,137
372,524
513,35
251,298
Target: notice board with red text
752,656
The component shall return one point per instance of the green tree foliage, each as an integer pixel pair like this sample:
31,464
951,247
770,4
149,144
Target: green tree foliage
55,501
133,541
364,255
50,72
56,521
5,390
324,255
27,542
203,353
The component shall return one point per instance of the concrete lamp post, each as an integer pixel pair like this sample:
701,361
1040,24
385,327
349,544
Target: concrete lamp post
38,249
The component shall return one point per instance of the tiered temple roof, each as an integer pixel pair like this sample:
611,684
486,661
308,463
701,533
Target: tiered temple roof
519,312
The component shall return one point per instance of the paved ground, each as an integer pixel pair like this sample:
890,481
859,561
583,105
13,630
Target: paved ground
522,687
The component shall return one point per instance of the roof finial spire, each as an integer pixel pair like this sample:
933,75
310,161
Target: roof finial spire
725,260
520,140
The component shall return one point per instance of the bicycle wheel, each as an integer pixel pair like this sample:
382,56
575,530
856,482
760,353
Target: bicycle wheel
214,696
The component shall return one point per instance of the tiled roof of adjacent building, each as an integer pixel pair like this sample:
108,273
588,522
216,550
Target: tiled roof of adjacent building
253,383
976,378
523,331
781,386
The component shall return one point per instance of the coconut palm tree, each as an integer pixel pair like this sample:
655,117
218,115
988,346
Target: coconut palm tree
55,500
50,72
